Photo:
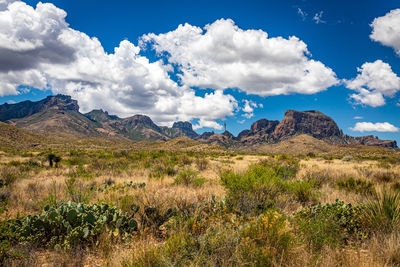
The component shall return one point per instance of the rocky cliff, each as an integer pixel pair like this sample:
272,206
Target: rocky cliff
313,123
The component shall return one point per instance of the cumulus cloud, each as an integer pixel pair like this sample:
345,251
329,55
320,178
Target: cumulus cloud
39,49
374,127
224,56
358,117
386,30
249,107
374,81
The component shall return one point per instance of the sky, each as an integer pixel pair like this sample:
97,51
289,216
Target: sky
209,62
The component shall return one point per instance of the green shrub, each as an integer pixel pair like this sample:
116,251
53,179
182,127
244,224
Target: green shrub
358,186
383,212
9,174
260,187
302,191
311,154
254,191
6,236
266,240
329,224
185,160
80,172
70,224
189,177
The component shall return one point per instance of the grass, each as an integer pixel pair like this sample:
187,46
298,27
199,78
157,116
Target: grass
207,207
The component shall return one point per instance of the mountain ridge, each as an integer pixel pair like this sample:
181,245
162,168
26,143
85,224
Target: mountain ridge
60,115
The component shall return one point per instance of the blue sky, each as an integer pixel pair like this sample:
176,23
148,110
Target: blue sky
340,40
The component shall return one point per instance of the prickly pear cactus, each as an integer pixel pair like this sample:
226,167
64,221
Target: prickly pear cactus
70,224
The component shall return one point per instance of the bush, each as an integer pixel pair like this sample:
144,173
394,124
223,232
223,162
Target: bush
329,224
252,192
80,172
202,163
385,176
358,186
6,235
311,154
53,159
8,175
347,158
383,212
266,241
261,186
303,191
70,224
189,177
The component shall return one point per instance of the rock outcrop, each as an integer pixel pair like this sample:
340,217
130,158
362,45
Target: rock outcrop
28,108
312,123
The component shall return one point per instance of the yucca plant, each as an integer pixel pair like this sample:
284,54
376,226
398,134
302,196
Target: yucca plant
383,211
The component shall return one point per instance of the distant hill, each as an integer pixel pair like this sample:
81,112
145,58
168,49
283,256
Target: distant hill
59,115
312,123
12,137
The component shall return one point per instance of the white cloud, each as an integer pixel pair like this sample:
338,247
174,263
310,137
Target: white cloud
318,17
39,49
302,13
375,81
207,123
358,117
249,107
224,56
374,127
386,30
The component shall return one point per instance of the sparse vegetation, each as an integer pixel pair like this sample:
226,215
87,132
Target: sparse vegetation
152,207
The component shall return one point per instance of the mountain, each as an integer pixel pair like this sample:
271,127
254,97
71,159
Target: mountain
180,128
312,123
59,115
28,108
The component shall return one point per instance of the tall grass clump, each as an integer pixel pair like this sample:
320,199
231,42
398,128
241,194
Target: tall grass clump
189,177
358,186
383,212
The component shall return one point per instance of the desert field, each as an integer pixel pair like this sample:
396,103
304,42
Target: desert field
181,203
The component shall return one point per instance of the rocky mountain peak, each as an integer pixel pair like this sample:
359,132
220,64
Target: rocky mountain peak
28,108
60,102
100,116
185,125
264,124
140,120
311,122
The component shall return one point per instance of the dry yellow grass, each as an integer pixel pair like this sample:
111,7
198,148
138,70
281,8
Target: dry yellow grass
28,193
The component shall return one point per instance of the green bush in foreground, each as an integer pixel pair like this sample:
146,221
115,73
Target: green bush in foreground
329,224
265,185
70,224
